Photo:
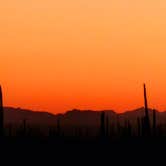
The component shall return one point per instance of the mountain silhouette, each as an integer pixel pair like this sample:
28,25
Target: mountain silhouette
17,115
75,117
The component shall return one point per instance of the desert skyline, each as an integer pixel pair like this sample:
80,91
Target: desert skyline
56,56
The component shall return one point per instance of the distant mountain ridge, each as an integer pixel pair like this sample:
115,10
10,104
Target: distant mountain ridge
74,117
17,115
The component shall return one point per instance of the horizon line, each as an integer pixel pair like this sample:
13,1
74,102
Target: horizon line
81,110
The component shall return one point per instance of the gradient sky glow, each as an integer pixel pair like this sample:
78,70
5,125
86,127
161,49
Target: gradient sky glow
87,54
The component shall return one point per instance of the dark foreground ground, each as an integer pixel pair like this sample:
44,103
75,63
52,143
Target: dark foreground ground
37,151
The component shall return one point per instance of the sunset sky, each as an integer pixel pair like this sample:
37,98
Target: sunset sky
85,54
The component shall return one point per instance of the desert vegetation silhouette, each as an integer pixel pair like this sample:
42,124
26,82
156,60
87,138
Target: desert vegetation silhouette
109,129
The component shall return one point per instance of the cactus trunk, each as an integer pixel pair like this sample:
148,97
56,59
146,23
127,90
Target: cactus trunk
147,121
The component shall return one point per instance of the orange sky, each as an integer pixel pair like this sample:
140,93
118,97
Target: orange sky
87,54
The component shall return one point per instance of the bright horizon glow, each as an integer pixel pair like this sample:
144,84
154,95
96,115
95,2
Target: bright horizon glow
85,54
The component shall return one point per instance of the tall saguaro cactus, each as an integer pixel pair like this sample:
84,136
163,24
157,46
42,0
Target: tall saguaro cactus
1,113
147,120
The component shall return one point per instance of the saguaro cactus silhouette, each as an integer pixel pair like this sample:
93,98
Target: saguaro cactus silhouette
118,126
59,127
139,126
102,123
24,127
154,122
1,113
147,120
129,129
107,126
